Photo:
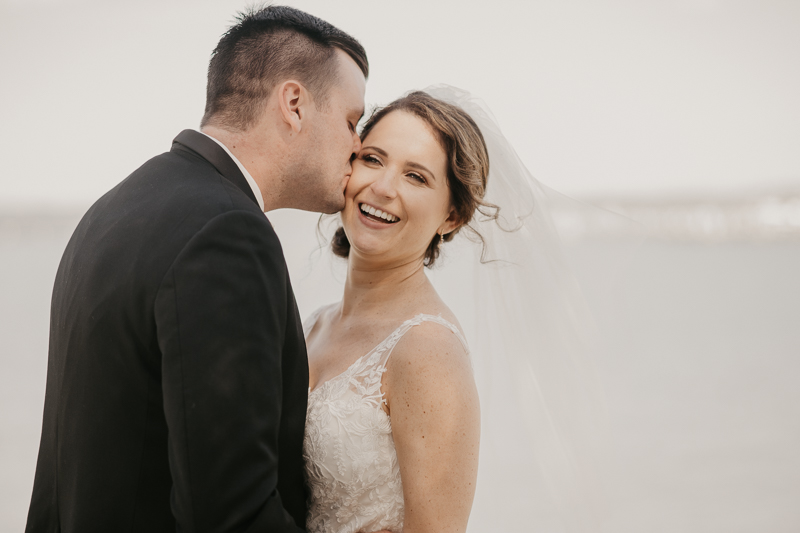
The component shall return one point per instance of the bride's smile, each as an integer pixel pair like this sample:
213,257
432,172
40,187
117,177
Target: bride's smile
370,212
398,197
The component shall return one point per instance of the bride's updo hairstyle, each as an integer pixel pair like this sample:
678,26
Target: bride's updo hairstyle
467,163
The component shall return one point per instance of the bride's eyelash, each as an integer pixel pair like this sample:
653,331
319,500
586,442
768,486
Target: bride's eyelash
370,158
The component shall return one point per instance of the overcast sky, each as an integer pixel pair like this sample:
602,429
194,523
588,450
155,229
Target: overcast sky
630,98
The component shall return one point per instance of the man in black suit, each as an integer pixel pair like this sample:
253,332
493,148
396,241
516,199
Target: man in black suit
177,376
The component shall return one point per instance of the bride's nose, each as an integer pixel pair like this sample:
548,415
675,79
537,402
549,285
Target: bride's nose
385,185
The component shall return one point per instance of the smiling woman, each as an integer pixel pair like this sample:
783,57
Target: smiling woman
418,154
392,347
384,181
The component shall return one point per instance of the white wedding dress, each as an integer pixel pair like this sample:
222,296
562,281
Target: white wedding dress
351,461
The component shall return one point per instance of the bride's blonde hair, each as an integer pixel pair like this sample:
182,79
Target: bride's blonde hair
467,157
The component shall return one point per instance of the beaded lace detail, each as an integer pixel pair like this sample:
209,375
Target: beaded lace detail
350,458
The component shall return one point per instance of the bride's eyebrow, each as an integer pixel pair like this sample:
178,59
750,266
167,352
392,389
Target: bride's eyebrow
376,149
421,168
409,164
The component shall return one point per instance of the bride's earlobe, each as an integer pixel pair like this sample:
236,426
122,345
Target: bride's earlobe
450,224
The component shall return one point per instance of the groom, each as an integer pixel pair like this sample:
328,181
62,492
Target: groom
177,374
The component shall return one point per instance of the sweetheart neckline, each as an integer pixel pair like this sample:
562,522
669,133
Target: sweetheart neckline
346,370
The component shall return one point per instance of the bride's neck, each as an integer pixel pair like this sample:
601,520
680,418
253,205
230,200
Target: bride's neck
371,286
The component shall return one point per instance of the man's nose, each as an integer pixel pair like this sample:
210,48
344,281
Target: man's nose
356,143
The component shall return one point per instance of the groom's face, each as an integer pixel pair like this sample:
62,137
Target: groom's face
334,140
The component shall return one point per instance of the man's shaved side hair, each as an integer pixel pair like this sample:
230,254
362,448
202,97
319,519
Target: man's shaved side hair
266,47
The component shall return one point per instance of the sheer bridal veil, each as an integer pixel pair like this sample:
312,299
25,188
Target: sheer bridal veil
542,415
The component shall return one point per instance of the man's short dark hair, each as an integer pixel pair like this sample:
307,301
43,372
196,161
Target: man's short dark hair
265,47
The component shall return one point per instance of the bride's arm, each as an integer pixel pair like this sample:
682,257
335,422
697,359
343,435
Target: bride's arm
433,403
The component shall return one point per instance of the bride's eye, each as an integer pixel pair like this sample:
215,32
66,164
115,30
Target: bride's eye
369,158
417,177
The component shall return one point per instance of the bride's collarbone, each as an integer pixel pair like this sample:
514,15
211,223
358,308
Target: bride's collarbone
348,341
334,349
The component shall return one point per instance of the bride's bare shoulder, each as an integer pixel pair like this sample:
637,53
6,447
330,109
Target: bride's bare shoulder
432,338
430,359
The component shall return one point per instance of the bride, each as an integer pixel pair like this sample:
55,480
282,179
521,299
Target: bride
394,424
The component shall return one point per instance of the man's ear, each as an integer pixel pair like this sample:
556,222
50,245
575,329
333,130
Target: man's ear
292,103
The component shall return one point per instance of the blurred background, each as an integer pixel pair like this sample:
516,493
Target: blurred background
682,116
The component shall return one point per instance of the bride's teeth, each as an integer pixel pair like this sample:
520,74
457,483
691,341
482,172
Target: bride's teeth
368,209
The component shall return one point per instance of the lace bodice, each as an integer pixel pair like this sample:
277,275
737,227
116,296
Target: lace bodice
351,462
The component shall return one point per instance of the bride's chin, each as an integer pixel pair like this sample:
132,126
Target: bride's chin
372,252
365,236
365,251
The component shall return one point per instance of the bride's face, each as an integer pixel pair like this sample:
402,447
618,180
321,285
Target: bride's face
401,171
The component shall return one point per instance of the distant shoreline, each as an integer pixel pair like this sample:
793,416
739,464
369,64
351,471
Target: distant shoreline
757,217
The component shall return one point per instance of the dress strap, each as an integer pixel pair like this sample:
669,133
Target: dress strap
387,346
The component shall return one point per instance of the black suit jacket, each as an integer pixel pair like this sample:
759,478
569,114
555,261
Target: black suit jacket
177,376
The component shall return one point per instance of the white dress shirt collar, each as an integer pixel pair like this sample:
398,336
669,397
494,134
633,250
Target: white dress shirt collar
247,176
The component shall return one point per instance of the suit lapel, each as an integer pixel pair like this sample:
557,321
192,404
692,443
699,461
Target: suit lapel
213,153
